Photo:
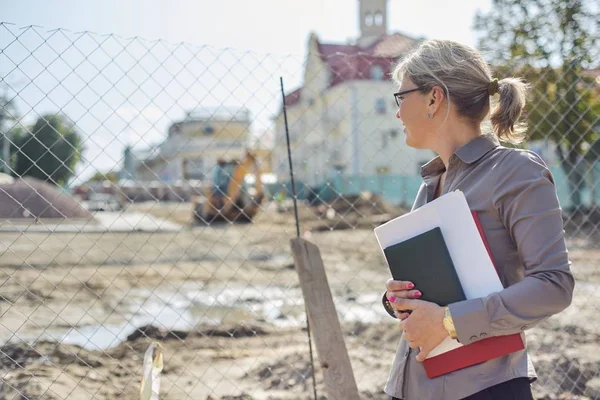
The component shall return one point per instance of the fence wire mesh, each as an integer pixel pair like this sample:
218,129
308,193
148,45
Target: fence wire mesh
146,197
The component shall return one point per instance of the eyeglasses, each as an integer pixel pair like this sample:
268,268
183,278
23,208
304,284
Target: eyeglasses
398,95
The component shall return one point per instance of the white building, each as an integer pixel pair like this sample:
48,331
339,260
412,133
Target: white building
342,120
194,145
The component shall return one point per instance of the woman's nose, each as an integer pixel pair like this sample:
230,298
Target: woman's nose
398,113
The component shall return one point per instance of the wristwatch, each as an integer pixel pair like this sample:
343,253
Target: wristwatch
449,323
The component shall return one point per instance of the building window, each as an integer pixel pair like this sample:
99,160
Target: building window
377,73
378,20
209,130
369,19
380,106
193,168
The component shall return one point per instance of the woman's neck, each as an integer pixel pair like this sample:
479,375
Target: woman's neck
451,137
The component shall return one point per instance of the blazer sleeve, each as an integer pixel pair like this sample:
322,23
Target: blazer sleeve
525,199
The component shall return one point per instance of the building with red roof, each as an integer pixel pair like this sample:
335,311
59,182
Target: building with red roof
342,119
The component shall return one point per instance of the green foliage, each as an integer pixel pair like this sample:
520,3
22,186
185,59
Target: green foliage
50,151
101,177
551,43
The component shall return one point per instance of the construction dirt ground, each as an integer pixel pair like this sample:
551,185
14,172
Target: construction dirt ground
79,309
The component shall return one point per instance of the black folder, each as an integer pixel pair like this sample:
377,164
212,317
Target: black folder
425,261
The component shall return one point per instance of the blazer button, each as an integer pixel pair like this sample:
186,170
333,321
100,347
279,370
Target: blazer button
473,338
523,328
483,334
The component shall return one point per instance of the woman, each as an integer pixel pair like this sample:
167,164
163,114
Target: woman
444,97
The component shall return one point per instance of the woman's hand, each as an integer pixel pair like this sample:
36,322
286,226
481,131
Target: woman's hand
423,328
400,290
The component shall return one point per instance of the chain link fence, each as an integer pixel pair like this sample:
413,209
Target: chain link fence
146,198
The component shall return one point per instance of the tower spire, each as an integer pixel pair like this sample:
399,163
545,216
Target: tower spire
372,19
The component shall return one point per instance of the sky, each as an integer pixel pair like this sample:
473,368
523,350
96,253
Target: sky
272,26
122,91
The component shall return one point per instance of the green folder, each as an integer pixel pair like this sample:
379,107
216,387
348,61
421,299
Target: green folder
425,261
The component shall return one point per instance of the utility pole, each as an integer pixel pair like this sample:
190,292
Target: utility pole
5,133
355,131
5,150
4,136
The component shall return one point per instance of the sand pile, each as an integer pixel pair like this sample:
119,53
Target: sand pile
366,210
33,198
366,203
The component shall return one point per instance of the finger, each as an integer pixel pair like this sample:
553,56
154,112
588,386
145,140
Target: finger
405,294
397,309
414,346
392,285
405,304
401,315
400,309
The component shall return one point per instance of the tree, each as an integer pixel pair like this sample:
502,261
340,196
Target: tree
50,151
551,43
101,177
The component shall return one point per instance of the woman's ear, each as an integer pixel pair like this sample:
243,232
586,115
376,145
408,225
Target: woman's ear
436,98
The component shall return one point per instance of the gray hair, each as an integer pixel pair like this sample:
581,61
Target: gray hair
466,79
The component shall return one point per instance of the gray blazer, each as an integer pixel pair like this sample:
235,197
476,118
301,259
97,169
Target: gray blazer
513,192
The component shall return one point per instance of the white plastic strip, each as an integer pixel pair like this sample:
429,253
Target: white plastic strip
153,365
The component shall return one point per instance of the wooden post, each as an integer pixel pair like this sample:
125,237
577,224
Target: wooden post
324,323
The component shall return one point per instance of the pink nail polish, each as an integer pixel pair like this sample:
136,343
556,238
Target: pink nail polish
411,285
417,294
392,299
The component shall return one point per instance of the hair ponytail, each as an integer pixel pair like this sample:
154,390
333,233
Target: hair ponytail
505,116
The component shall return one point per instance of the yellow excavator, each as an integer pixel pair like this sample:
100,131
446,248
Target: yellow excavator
231,197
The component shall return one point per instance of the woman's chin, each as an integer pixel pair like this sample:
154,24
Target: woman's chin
410,142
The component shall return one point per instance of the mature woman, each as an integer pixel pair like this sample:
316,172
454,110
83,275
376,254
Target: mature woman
443,99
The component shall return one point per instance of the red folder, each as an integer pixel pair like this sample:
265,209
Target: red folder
478,352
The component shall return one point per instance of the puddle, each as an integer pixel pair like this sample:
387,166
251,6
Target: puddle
195,305
270,261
